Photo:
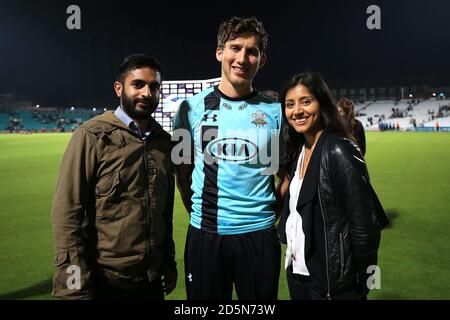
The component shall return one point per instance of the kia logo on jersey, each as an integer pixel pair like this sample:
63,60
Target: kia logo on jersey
232,149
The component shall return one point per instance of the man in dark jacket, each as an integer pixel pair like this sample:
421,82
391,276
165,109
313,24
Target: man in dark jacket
112,208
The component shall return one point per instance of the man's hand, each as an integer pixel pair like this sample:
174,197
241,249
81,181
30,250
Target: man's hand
184,181
169,280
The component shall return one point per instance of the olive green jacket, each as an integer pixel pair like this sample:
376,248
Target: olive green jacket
112,208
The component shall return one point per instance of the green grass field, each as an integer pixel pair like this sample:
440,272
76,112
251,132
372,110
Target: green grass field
409,171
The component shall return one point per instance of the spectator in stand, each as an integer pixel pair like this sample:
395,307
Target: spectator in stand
354,126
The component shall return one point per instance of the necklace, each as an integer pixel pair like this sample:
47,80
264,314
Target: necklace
305,162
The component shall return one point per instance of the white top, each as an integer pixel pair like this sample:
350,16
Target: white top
295,251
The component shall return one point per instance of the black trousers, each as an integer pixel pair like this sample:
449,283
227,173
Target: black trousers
300,288
250,261
112,289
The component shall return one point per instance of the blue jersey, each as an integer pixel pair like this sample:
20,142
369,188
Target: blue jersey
236,151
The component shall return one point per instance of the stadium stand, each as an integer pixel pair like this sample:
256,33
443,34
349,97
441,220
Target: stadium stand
4,120
408,114
58,120
382,114
50,120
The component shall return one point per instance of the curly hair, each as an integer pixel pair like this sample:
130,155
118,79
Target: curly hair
242,27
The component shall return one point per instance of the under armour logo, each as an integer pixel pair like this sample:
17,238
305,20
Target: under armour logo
214,117
190,277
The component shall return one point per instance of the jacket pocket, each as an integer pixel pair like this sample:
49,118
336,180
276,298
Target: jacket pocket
107,185
71,277
341,250
60,258
109,199
109,137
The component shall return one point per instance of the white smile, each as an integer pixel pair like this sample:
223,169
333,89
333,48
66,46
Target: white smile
300,121
239,70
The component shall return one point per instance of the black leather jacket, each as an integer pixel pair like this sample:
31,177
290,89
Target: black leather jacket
336,186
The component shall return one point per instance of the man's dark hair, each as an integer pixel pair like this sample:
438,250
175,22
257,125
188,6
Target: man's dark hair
136,61
242,27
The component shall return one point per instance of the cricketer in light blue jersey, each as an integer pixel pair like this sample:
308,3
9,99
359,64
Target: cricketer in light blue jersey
237,147
228,188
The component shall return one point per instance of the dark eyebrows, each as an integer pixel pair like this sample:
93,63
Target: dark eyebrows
306,97
253,50
235,45
142,82
137,81
300,99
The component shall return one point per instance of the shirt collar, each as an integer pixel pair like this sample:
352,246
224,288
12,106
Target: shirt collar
119,113
129,122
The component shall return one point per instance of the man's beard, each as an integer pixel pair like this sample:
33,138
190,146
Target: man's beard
129,106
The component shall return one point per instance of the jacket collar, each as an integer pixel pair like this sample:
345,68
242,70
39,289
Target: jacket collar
311,179
307,193
110,118
153,126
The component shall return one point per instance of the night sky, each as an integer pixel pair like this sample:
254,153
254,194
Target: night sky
44,61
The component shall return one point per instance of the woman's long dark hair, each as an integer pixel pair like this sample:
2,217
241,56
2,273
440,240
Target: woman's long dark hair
330,118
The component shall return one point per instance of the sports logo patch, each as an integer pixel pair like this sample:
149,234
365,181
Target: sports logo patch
232,149
213,117
243,106
259,118
227,106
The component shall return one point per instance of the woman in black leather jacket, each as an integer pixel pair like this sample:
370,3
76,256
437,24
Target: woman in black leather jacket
332,218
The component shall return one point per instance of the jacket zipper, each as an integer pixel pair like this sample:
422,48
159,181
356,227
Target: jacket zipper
326,246
147,205
341,244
